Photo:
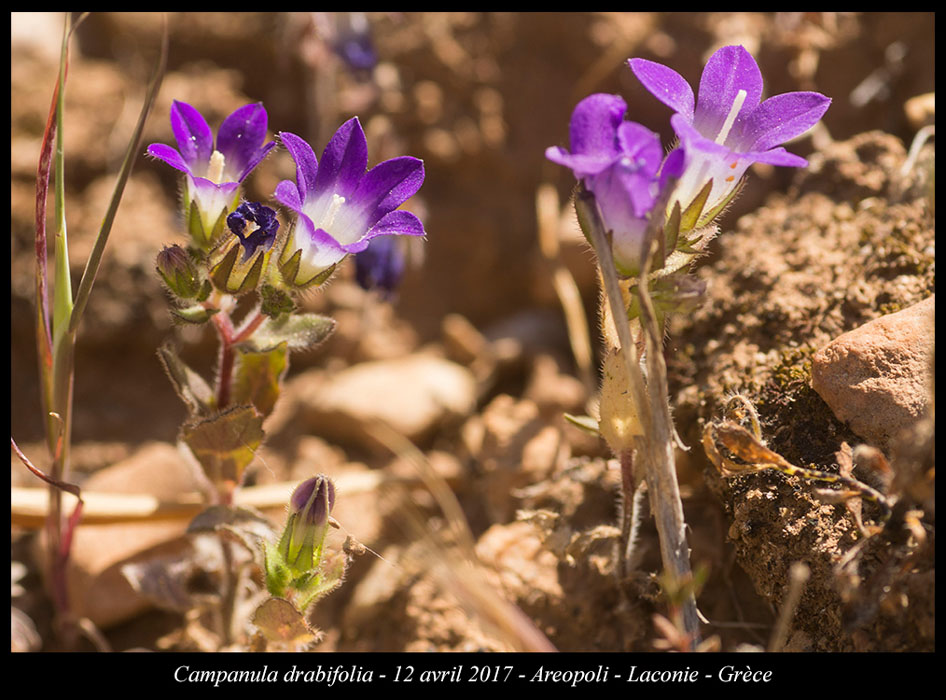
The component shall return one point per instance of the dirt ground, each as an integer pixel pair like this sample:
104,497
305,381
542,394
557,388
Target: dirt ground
802,257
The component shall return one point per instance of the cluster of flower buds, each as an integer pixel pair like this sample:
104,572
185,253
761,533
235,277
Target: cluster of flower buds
621,163
336,204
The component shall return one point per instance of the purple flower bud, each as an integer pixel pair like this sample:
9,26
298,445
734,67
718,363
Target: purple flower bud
309,508
314,500
179,272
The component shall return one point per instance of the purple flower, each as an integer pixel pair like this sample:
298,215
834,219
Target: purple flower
728,129
214,171
622,164
339,206
262,224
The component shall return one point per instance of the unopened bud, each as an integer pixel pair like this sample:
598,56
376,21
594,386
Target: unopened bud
179,272
309,509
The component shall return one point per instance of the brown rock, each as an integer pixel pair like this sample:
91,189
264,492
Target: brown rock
876,378
415,395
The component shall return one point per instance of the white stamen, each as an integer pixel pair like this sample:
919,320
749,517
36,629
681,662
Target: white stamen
215,169
333,209
731,117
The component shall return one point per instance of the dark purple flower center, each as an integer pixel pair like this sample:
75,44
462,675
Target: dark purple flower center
255,225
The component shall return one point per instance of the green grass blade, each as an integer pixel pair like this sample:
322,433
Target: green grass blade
62,293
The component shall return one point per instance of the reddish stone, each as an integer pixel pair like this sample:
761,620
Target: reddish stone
877,378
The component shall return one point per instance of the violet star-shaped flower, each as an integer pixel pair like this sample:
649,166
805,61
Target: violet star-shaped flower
214,170
622,164
728,128
339,206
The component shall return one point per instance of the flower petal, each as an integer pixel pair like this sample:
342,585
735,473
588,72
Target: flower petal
673,166
381,265
594,123
344,160
396,223
226,189
255,160
694,142
781,118
239,140
168,155
388,185
319,249
583,165
693,139
195,140
242,132
623,193
287,194
665,84
728,71
307,167
623,201
641,145
776,156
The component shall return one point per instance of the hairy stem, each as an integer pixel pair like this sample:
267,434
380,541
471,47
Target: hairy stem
655,447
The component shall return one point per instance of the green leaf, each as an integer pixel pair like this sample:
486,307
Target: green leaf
672,230
196,314
44,335
258,376
220,273
691,216
203,238
226,443
289,270
298,331
189,385
718,209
